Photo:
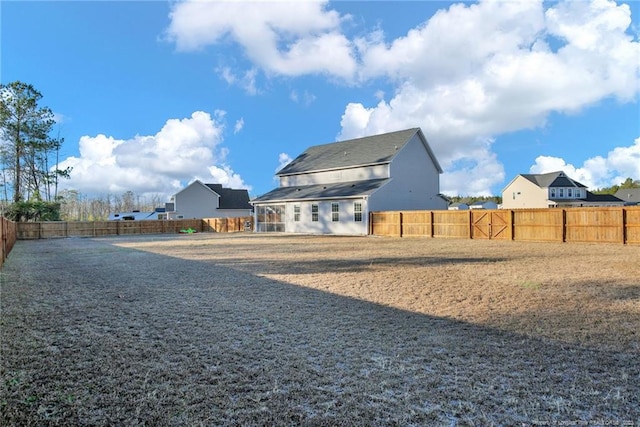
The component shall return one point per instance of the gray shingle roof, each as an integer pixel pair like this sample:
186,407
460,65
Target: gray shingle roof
322,191
230,198
631,195
552,179
601,198
370,150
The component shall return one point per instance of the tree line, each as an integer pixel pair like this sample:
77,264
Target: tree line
628,183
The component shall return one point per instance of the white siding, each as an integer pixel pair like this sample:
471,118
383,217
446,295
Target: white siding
415,182
341,175
346,225
196,201
199,201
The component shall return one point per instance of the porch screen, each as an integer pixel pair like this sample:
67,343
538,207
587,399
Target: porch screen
270,218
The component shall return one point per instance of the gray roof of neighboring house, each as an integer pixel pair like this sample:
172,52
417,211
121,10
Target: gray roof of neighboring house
322,191
590,197
370,150
552,179
601,198
629,194
230,198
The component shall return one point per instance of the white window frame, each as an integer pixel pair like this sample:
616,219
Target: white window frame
314,212
296,213
357,211
335,212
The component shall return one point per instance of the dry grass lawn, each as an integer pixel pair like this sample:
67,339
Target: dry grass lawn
256,329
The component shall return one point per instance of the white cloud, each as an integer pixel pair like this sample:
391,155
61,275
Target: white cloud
247,81
183,150
468,74
473,72
283,160
597,172
238,126
306,98
287,38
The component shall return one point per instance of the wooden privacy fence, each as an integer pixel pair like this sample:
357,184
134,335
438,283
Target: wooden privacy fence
52,229
9,233
607,225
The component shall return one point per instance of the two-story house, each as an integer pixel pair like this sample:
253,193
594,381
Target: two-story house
331,188
551,190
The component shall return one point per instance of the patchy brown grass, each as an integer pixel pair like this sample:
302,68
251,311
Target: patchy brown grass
250,329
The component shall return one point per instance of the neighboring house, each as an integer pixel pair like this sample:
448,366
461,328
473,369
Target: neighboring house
550,190
136,215
458,206
484,204
198,200
331,188
630,196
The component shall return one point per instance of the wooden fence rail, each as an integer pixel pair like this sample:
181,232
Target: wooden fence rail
52,229
601,225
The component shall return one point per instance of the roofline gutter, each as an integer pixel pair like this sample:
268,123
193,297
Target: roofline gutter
365,197
335,169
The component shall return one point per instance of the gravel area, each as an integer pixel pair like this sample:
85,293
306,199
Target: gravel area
252,329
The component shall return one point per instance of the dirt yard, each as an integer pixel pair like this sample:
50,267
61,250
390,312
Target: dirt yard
255,329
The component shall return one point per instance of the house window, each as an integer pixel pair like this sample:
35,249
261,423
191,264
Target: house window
314,213
578,193
561,193
569,193
553,193
335,212
357,211
296,213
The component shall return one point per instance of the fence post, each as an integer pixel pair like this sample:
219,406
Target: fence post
470,224
511,225
400,223
624,226
431,225
564,226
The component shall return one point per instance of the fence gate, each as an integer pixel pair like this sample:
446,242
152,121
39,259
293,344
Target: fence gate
490,224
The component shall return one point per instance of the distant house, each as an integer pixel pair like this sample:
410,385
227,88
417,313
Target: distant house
630,196
198,200
550,190
458,206
484,204
137,215
331,188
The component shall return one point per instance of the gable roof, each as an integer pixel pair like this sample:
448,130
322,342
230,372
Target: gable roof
370,150
631,195
323,191
552,179
230,198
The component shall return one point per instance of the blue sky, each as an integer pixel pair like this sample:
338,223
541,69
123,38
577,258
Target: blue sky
151,95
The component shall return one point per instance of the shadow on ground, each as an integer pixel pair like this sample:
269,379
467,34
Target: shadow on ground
98,334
